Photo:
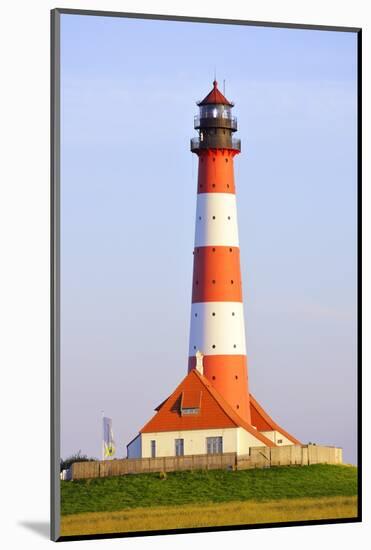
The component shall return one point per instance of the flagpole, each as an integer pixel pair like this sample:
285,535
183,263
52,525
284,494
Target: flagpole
102,434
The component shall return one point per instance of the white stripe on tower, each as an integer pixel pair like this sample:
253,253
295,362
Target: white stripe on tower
216,220
217,328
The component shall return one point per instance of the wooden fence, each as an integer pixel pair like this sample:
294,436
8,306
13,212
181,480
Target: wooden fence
107,468
289,455
259,457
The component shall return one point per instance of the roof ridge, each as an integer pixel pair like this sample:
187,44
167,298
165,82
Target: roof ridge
177,389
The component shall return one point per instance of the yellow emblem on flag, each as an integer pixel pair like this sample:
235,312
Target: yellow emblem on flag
109,449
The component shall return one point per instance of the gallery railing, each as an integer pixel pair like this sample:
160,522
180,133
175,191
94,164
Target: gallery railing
215,143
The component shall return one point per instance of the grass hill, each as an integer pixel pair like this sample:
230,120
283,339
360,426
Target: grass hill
207,487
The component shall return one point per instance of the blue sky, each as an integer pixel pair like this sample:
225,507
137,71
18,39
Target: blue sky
128,201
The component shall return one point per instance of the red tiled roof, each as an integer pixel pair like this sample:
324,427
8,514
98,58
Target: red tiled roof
264,422
215,412
215,97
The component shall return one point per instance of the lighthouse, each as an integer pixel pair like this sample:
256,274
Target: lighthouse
217,326
212,411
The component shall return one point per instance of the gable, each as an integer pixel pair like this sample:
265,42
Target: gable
213,410
190,394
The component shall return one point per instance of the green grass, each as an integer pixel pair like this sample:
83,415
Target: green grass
216,486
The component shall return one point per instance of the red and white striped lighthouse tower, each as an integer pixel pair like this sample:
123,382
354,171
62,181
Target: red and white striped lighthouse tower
211,410
217,319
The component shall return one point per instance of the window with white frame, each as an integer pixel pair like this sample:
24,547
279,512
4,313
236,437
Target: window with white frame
153,448
214,445
179,447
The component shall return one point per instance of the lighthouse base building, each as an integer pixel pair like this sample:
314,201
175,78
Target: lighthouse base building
195,419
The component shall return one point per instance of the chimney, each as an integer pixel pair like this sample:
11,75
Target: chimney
199,362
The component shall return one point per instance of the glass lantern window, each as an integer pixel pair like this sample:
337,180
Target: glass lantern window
215,111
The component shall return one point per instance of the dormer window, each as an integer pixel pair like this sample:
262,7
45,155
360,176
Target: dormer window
191,410
190,402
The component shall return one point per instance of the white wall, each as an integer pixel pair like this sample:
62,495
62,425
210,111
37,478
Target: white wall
194,441
245,440
235,440
276,436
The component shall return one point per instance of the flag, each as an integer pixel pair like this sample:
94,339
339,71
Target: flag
108,441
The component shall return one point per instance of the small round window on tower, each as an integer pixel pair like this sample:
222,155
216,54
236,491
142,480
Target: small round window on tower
213,281
213,217
213,346
213,313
